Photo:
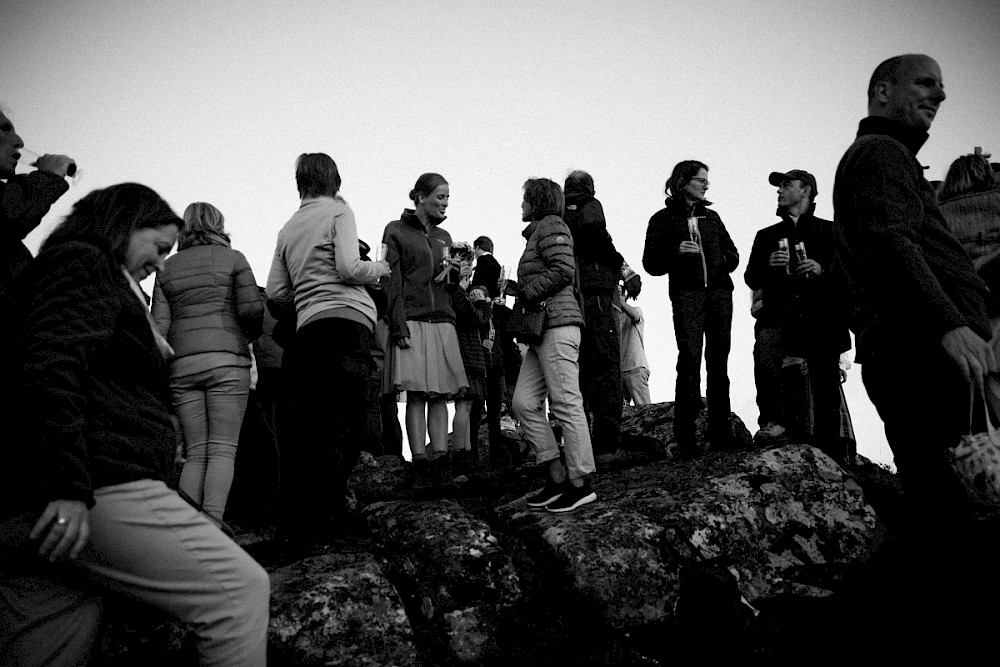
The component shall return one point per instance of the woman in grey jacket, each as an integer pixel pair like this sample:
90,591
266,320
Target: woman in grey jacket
551,368
207,305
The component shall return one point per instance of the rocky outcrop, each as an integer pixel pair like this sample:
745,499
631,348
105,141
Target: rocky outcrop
677,557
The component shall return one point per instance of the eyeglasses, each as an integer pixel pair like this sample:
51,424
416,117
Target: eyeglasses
703,181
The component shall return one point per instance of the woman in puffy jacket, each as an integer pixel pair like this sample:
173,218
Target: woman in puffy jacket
551,367
207,305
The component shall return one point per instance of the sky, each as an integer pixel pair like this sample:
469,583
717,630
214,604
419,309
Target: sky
213,101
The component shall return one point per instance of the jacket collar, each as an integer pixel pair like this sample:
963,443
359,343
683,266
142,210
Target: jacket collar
533,225
409,217
911,137
787,217
679,205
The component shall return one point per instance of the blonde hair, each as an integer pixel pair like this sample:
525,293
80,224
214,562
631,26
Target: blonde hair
202,221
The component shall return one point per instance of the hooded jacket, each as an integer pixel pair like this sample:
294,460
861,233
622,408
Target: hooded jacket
599,262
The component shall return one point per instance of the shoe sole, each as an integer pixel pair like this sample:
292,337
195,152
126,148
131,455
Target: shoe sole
589,498
538,505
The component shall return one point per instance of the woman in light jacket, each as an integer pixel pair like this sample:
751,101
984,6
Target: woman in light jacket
551,368
207,305
317,269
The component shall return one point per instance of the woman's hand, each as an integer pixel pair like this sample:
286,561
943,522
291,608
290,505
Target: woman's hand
64,528
688,247
403,342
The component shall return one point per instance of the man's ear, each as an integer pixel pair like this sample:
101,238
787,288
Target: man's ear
882,90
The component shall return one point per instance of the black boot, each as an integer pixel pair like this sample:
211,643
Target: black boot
442,477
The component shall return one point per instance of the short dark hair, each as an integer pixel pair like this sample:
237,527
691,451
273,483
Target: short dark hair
425,185
579,181
483,243
969,173
682,174
316,175
545,197
114,214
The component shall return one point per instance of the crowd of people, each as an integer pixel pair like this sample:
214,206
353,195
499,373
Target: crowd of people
114,389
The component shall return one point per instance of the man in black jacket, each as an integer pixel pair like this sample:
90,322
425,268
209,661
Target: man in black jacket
487,273
804,310
922,335
43,618
600,268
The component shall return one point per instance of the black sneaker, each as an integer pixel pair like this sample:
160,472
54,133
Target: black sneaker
572,497
551,492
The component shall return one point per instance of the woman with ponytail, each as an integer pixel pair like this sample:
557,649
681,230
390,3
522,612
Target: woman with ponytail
425,360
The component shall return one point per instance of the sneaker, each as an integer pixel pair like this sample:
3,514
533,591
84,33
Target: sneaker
572,497
770,431
550,493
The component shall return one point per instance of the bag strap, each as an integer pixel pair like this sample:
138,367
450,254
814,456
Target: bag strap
981,395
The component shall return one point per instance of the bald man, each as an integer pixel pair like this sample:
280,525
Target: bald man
922,332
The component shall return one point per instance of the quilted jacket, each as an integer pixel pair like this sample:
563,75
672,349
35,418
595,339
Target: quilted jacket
547,270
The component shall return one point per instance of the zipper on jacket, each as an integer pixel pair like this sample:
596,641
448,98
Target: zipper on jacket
430,287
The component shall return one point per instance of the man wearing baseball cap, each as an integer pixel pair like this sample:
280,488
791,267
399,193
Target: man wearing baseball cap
804,311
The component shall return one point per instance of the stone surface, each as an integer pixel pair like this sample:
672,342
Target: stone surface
786,521
338,609
452,572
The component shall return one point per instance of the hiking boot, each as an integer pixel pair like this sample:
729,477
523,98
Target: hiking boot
572,497
547,495
442,477
770,432
422,483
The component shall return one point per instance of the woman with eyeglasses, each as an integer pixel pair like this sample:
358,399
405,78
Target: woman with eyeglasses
688,241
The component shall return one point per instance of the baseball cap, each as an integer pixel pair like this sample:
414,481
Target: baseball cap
777,177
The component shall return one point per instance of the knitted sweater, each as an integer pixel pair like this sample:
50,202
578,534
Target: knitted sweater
96,409
911,277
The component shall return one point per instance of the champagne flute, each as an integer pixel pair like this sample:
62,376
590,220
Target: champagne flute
380,255
502,286
29,158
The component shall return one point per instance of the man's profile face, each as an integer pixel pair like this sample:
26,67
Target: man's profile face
792,192
914,99
10,145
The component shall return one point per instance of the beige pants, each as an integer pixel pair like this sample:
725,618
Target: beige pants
150,545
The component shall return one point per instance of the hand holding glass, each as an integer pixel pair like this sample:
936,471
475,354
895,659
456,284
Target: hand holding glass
30,158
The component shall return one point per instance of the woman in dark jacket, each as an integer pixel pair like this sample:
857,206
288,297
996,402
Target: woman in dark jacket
206,303
425,361
98,412
551,368
688,241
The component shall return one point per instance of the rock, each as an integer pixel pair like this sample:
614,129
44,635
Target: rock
338,609
380,478
650,429
789,521
453,574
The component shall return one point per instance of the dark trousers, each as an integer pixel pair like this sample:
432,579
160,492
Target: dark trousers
824,381
702,319
945,565
601,373
329,375
767,358
494,403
